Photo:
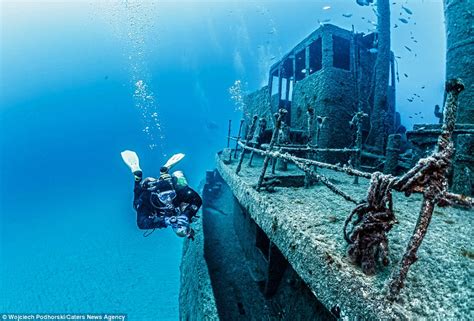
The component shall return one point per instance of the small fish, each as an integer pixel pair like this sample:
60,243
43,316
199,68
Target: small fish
372,50
408,48
410,99
410,117
395,26
324,21
273,58
326,7
415,41
422,87
403,20
407,10
303,71
405,75
347,15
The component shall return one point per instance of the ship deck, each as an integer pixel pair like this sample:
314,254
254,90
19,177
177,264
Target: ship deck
307,224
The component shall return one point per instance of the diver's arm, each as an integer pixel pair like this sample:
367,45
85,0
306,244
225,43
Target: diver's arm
191,197
147,222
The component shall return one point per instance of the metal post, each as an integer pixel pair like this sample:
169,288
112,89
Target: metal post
238,138
279,118
431,191
358,118
310,114
249,136
262,126
228,134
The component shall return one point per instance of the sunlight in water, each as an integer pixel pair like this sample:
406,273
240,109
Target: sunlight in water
133,23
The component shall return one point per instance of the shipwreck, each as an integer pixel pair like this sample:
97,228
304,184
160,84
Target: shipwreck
313,213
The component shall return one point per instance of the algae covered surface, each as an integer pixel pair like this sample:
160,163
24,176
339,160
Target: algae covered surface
195,281
307,226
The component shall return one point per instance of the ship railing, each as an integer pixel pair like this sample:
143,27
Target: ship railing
374,215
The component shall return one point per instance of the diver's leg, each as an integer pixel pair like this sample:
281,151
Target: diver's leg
137,189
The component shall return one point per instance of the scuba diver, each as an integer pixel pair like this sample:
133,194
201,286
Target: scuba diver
164,201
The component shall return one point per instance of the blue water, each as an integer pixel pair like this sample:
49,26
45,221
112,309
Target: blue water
82,81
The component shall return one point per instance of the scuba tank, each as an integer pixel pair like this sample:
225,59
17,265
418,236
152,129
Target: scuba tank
162,190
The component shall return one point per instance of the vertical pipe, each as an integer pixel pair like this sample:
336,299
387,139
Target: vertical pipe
249,136
228,134
238,138
358,144
262,125
274,160
310,114
280,115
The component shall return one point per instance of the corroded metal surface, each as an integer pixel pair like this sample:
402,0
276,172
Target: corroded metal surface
305,224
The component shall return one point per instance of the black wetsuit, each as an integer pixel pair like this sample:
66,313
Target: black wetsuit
149,216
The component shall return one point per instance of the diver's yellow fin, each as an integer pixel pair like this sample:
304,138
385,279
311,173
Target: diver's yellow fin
174,160
180,179
131,159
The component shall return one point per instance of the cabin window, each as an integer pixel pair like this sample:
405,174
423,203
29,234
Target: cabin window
341,53
290,91
274,85
284,82
300,65
315,56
